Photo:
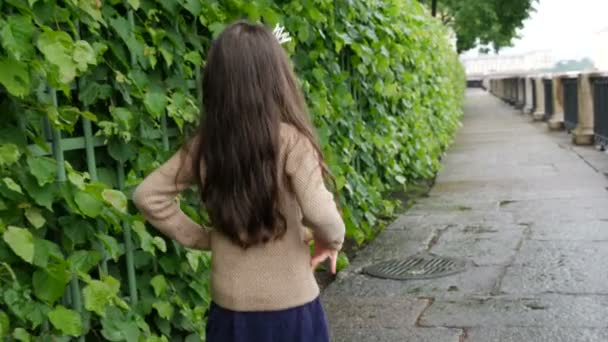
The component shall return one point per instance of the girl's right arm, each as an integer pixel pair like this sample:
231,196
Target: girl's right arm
316,201
156,199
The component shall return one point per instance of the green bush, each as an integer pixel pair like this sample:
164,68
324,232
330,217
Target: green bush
382,82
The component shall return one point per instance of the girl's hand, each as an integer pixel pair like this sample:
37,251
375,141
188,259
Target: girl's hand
321,253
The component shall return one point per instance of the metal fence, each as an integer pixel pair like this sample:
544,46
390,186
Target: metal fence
600,109
85,151
533,85
548,88
570,93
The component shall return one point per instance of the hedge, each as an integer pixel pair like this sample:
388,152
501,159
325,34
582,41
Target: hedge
96,94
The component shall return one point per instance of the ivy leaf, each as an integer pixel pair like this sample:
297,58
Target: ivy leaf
168,56
75,229
160,244
43,249
159,284
10,183
43,168
123,117
111,245
146,241
99,294
21,241
16,36
78,179
84,55
42,195
156,103
116,198
134,3
120,151
15,77
84,261
216,29
50,283
34,216
4,324
65,320
88,204
57,47
120,327
22,335
9,154
194,57
91,92
164,309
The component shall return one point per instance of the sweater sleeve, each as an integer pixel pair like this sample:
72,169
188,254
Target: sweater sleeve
319,209
156,199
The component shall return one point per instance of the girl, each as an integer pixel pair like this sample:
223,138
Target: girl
261,177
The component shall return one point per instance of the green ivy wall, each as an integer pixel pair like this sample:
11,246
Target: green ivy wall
95,94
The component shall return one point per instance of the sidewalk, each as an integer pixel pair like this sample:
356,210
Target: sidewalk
527,210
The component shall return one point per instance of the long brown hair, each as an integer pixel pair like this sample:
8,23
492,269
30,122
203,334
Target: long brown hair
249,89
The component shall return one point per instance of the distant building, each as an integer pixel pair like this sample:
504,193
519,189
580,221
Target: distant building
600,50
499,64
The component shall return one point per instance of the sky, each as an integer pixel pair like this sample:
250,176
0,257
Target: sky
566,27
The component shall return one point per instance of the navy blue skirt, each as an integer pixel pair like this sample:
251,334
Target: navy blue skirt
306,323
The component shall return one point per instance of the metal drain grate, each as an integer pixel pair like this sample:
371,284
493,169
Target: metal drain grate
416,267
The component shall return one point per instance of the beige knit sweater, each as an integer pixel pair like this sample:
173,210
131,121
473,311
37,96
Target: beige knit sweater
273,276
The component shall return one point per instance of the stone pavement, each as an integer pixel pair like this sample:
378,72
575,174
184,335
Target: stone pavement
530,214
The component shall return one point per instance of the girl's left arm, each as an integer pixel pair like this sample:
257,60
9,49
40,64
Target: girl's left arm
156,199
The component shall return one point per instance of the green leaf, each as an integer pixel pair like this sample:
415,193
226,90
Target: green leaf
168,56
91,92
111,245
84,261
43,168
67,321
123,117
160,244
9,154
216,29
16,36
34,216
147,242
88,204
10,183
118,326
194,57
156,103
43,249
116,199
75,229
120,151
4,325
134,4
50,283
57,48
21,242
159,284
15,77
84,55
164,309
78,179
99,294
22,335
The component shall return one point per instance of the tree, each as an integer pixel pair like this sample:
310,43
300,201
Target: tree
483,22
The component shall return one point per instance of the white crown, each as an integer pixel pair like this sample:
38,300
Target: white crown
281,35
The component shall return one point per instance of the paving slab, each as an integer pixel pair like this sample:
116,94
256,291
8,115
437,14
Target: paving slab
384,318
575,311
526,210
544,334
558,266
